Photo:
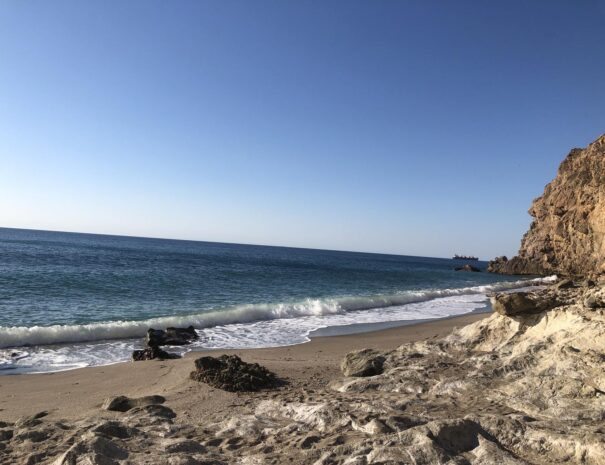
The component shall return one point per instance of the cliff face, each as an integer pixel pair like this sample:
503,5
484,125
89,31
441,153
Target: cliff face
567,234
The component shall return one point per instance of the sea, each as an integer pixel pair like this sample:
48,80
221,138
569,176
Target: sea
70,300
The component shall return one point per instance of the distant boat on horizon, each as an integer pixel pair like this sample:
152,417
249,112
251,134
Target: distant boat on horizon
465,257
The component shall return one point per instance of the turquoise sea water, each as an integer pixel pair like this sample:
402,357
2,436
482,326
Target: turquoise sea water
69,300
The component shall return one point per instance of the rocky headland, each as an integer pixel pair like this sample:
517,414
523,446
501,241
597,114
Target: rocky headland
567,234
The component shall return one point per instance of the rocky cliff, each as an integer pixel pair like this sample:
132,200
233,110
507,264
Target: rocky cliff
566,235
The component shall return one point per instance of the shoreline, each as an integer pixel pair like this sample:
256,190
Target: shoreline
79,392
329,330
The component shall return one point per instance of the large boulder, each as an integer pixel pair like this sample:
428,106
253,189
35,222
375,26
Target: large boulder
514,303
567,235
230,373
364,362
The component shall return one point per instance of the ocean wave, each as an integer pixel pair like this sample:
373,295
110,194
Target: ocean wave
62,334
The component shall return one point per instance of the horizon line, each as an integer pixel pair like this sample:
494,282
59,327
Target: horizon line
227,243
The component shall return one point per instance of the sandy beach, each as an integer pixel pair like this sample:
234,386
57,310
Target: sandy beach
71,395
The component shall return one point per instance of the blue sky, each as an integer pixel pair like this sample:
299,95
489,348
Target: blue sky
412,127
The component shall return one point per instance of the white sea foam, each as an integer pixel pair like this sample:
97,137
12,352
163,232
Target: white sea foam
57,348
62,334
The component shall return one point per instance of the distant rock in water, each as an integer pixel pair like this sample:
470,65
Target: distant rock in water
567,236
230,373
467,267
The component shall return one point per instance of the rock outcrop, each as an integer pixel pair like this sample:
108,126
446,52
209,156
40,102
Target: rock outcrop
567,235
514,303
525,388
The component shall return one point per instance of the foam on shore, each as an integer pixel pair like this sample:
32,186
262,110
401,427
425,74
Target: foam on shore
108,330
56,348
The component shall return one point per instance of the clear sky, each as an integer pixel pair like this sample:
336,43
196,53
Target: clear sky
413,127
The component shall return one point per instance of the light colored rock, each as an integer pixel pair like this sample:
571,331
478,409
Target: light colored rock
365,362
30,421
594,297
92,449
513,303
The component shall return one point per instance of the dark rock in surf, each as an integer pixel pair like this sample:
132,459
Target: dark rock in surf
170,336
152,353
230,373
467,267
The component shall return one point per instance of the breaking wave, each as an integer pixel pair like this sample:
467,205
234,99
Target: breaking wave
111,330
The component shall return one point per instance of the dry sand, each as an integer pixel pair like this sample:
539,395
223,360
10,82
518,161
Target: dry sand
75,394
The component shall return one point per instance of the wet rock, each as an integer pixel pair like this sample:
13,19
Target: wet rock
152,353
123,403
468,267
170,336
360,363
230,373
